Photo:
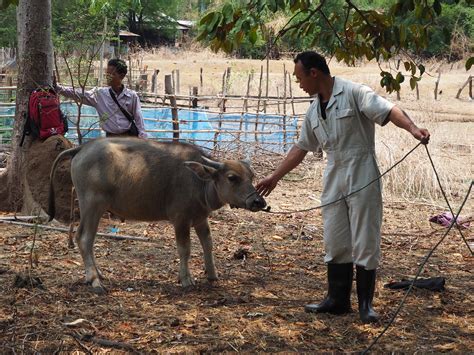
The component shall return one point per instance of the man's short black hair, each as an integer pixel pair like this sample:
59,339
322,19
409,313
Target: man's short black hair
311,59
119,65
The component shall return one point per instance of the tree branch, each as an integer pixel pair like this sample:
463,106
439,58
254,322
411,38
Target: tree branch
332,28
284,30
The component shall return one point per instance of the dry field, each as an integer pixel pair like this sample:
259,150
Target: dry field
257,305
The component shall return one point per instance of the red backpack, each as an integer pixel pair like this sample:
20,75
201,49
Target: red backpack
45,117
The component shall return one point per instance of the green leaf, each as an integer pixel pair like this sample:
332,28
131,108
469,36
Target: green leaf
469,63
213,22
253,35
407,65
272,5
228,13
207,18
421,67
400,78
413,82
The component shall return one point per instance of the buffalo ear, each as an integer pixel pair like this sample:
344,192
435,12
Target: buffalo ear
204,172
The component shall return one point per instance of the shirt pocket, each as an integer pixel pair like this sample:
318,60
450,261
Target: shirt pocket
344,123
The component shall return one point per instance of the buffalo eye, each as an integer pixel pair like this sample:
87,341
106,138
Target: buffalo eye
233,178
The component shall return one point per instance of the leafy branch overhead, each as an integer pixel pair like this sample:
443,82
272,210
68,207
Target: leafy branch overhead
342,28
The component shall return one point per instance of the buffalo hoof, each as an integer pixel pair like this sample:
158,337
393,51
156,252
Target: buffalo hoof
97,287
212,279
187,282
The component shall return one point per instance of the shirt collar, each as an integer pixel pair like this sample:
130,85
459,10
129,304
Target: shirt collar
126,91
337,89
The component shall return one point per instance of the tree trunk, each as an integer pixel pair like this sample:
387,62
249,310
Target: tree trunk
35,68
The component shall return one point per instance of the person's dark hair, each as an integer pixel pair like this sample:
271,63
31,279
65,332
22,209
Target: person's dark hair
312,59
119,65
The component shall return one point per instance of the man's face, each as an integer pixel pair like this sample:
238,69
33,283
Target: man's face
307,81
113,78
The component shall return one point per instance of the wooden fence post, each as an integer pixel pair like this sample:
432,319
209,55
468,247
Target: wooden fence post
291,94
200,81
154,86
258,103
195,94
468,81
177,82
436,85
173,81
174,108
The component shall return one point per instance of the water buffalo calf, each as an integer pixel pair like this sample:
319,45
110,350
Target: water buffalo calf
149,181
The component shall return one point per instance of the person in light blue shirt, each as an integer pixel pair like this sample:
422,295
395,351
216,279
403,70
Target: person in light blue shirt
341,120
112,118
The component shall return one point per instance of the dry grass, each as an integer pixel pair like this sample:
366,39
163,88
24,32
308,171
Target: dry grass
449,120
257,306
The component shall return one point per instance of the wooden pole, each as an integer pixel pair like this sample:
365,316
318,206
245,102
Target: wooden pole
200,81
245,108
278,101
102,50
195,99
258,103
174,108
173,81
178,88
225,85
154,82
436,85
284,110
130,71
10,84
468,81
267,78
291,95
470,87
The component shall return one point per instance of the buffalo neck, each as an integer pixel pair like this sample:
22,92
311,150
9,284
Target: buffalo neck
211,197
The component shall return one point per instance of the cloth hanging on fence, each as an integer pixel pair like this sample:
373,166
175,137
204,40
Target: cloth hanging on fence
446,218
432,284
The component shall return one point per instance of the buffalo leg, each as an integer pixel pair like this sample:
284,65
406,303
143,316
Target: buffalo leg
85,240
204,234
183,242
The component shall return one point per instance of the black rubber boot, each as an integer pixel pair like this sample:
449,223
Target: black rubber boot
365,294
338,299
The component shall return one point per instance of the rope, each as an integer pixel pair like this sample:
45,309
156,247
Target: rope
453,222
352,193
418,274
446,199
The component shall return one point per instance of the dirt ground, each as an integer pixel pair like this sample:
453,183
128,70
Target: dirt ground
270,265
257,305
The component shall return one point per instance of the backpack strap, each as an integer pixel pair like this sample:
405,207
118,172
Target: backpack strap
125,112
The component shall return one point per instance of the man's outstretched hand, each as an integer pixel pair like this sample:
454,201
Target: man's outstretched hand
265,186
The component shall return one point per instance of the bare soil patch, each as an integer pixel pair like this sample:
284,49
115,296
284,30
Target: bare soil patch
257,305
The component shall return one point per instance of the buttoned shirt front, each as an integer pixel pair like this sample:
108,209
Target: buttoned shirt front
112,119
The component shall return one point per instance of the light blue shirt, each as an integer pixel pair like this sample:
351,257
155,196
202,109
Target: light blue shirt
112,119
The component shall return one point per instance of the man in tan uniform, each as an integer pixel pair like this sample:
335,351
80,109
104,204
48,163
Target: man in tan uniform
341,120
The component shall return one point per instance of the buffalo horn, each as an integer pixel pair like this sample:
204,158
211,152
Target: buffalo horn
212,163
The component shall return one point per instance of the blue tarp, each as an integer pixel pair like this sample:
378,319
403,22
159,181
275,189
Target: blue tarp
200,127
